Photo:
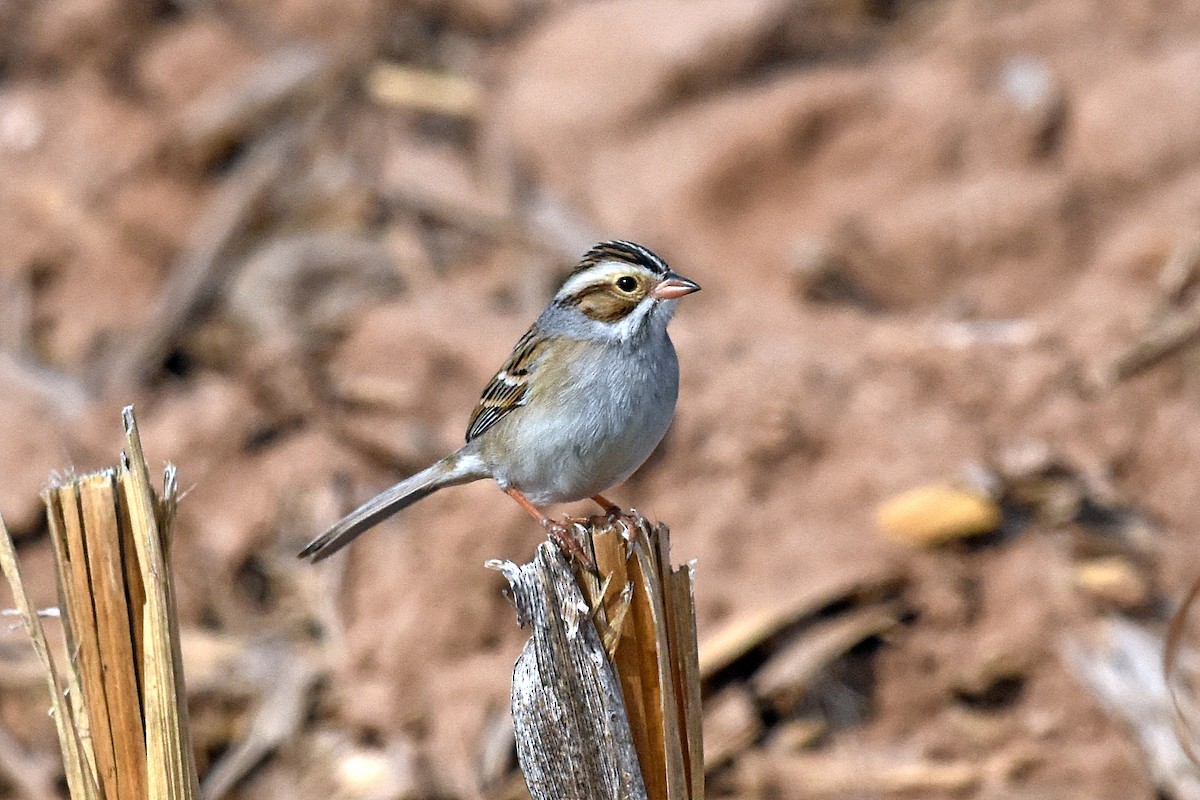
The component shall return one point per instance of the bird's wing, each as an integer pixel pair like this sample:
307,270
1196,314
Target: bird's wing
509,388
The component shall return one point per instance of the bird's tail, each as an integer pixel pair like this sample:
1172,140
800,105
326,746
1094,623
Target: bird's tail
452,470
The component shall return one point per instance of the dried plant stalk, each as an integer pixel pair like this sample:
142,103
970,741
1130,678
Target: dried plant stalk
615,656
124,730
80,774
170,762
572,734
649,618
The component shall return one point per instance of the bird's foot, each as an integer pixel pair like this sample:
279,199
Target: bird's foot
615,515
562,535
558,532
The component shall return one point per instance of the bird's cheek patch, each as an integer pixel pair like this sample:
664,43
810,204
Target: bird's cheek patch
606,306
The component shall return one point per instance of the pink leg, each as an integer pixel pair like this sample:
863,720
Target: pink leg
610,508
557,531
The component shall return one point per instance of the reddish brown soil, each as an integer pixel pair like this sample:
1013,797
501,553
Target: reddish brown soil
958,161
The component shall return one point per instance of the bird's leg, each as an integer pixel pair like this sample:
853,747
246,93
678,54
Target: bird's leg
533,510
611,509
613,513
556,530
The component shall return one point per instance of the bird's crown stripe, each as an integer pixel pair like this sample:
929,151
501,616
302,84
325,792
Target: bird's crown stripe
621,250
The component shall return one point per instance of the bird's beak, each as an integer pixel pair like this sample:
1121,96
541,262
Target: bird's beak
673,286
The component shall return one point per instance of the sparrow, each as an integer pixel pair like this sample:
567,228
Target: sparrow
582,401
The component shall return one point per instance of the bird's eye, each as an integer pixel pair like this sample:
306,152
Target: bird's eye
626,284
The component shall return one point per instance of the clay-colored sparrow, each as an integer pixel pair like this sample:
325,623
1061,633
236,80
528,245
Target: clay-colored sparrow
587,394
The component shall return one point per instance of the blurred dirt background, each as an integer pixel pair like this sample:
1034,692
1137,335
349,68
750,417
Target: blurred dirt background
943,243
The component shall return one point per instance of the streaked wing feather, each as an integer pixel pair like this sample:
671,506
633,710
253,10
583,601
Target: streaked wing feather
509,388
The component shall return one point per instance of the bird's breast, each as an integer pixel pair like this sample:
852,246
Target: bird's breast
593,419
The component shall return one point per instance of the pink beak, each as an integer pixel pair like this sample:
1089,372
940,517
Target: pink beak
673,287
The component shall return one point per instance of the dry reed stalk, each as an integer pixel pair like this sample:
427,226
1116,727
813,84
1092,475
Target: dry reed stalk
123,728
606,694
80,779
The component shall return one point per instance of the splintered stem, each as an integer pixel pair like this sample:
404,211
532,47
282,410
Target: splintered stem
606,693
123,726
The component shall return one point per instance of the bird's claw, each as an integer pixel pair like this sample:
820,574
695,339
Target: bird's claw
618,518
561,535
613,514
